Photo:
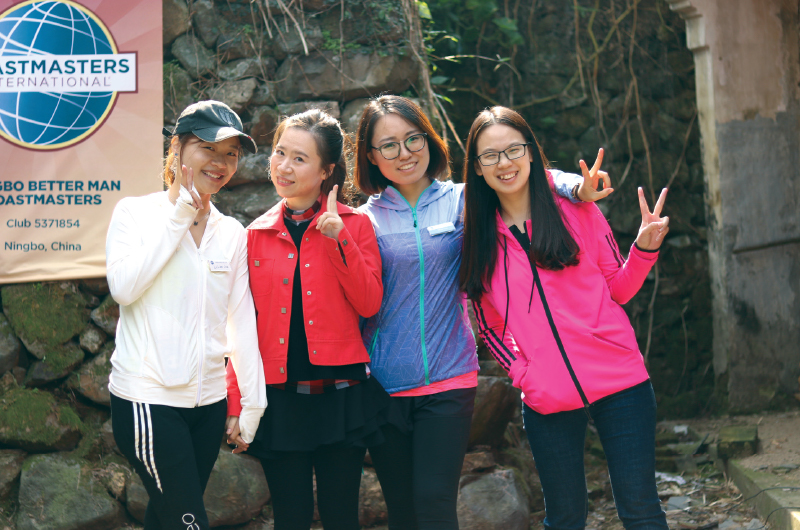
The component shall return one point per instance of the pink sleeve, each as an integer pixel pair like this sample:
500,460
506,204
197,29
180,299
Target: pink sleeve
499,340
623,276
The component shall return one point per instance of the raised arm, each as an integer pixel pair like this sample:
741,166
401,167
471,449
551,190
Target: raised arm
134,258
583,188
355,257
626,276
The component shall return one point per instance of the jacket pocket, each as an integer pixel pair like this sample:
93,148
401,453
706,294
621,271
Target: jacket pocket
610,342
261,275
175,361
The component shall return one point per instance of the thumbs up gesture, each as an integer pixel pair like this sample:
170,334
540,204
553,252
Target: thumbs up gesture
329,223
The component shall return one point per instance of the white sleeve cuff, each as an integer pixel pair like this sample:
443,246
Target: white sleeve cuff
248,422
184,197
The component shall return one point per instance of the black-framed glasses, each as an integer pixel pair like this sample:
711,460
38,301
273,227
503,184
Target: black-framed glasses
391,150
513,152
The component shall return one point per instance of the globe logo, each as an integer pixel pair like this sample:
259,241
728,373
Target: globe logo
60,73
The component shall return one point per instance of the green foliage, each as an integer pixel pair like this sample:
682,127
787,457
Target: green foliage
462,24
332,44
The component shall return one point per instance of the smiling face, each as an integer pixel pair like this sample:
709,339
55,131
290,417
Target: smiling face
409,169
212,163
296,168
508,177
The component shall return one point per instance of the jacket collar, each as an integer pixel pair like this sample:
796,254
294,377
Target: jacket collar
502,229
273,219
391,199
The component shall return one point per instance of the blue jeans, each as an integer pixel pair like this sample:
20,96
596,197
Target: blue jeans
626,423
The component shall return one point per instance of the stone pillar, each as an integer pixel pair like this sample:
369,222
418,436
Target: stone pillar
747,67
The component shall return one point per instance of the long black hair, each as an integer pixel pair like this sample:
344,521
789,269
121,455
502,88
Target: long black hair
552,245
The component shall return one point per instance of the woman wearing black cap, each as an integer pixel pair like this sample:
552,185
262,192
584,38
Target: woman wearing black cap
178,269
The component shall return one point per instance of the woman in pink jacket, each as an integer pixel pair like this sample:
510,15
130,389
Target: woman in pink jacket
547,279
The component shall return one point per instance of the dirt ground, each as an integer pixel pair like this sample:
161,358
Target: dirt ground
779,440
707,500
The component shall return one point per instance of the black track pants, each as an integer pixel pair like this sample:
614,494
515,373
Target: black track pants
173,450
419,471
338,473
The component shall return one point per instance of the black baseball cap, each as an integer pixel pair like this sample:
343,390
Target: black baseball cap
211,121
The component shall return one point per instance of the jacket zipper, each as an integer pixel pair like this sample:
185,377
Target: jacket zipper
537,281
557,337
421,295
202,330
374,341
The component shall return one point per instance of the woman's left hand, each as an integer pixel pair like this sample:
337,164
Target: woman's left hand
329,223
235,435
587,191
654,228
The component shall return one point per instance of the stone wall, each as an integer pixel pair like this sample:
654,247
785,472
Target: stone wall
750,138
222,50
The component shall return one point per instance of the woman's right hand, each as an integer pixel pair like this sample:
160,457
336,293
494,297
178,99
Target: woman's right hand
186,180
234,435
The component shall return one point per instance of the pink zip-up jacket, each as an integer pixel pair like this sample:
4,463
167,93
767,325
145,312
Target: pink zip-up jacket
584,301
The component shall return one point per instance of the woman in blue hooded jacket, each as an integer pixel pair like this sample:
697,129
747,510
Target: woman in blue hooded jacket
421,345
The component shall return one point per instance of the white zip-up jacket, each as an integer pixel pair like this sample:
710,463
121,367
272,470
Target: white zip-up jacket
183,309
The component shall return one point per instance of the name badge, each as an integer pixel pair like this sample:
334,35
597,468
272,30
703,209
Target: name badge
219,266
441,229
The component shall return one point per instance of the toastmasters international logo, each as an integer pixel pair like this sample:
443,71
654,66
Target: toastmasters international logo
60,72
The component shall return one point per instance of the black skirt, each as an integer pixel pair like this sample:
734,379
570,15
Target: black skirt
349,417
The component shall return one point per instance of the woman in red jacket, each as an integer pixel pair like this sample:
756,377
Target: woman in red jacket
314,269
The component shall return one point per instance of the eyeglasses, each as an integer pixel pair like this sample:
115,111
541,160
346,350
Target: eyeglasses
512,153
391,150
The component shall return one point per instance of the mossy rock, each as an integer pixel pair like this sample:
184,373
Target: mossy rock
8,382
106,315
45,315
57,363
10,467
10,346
178,91
92,339
34,421
61,492
91,381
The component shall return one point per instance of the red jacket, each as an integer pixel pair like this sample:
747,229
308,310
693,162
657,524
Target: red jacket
334,293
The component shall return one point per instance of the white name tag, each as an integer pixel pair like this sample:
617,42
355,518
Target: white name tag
217,266
441,229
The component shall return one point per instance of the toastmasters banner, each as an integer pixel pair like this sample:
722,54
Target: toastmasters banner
80,120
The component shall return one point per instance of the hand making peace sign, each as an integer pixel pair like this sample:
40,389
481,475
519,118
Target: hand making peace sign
329,223
187,181
588,192
654,228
